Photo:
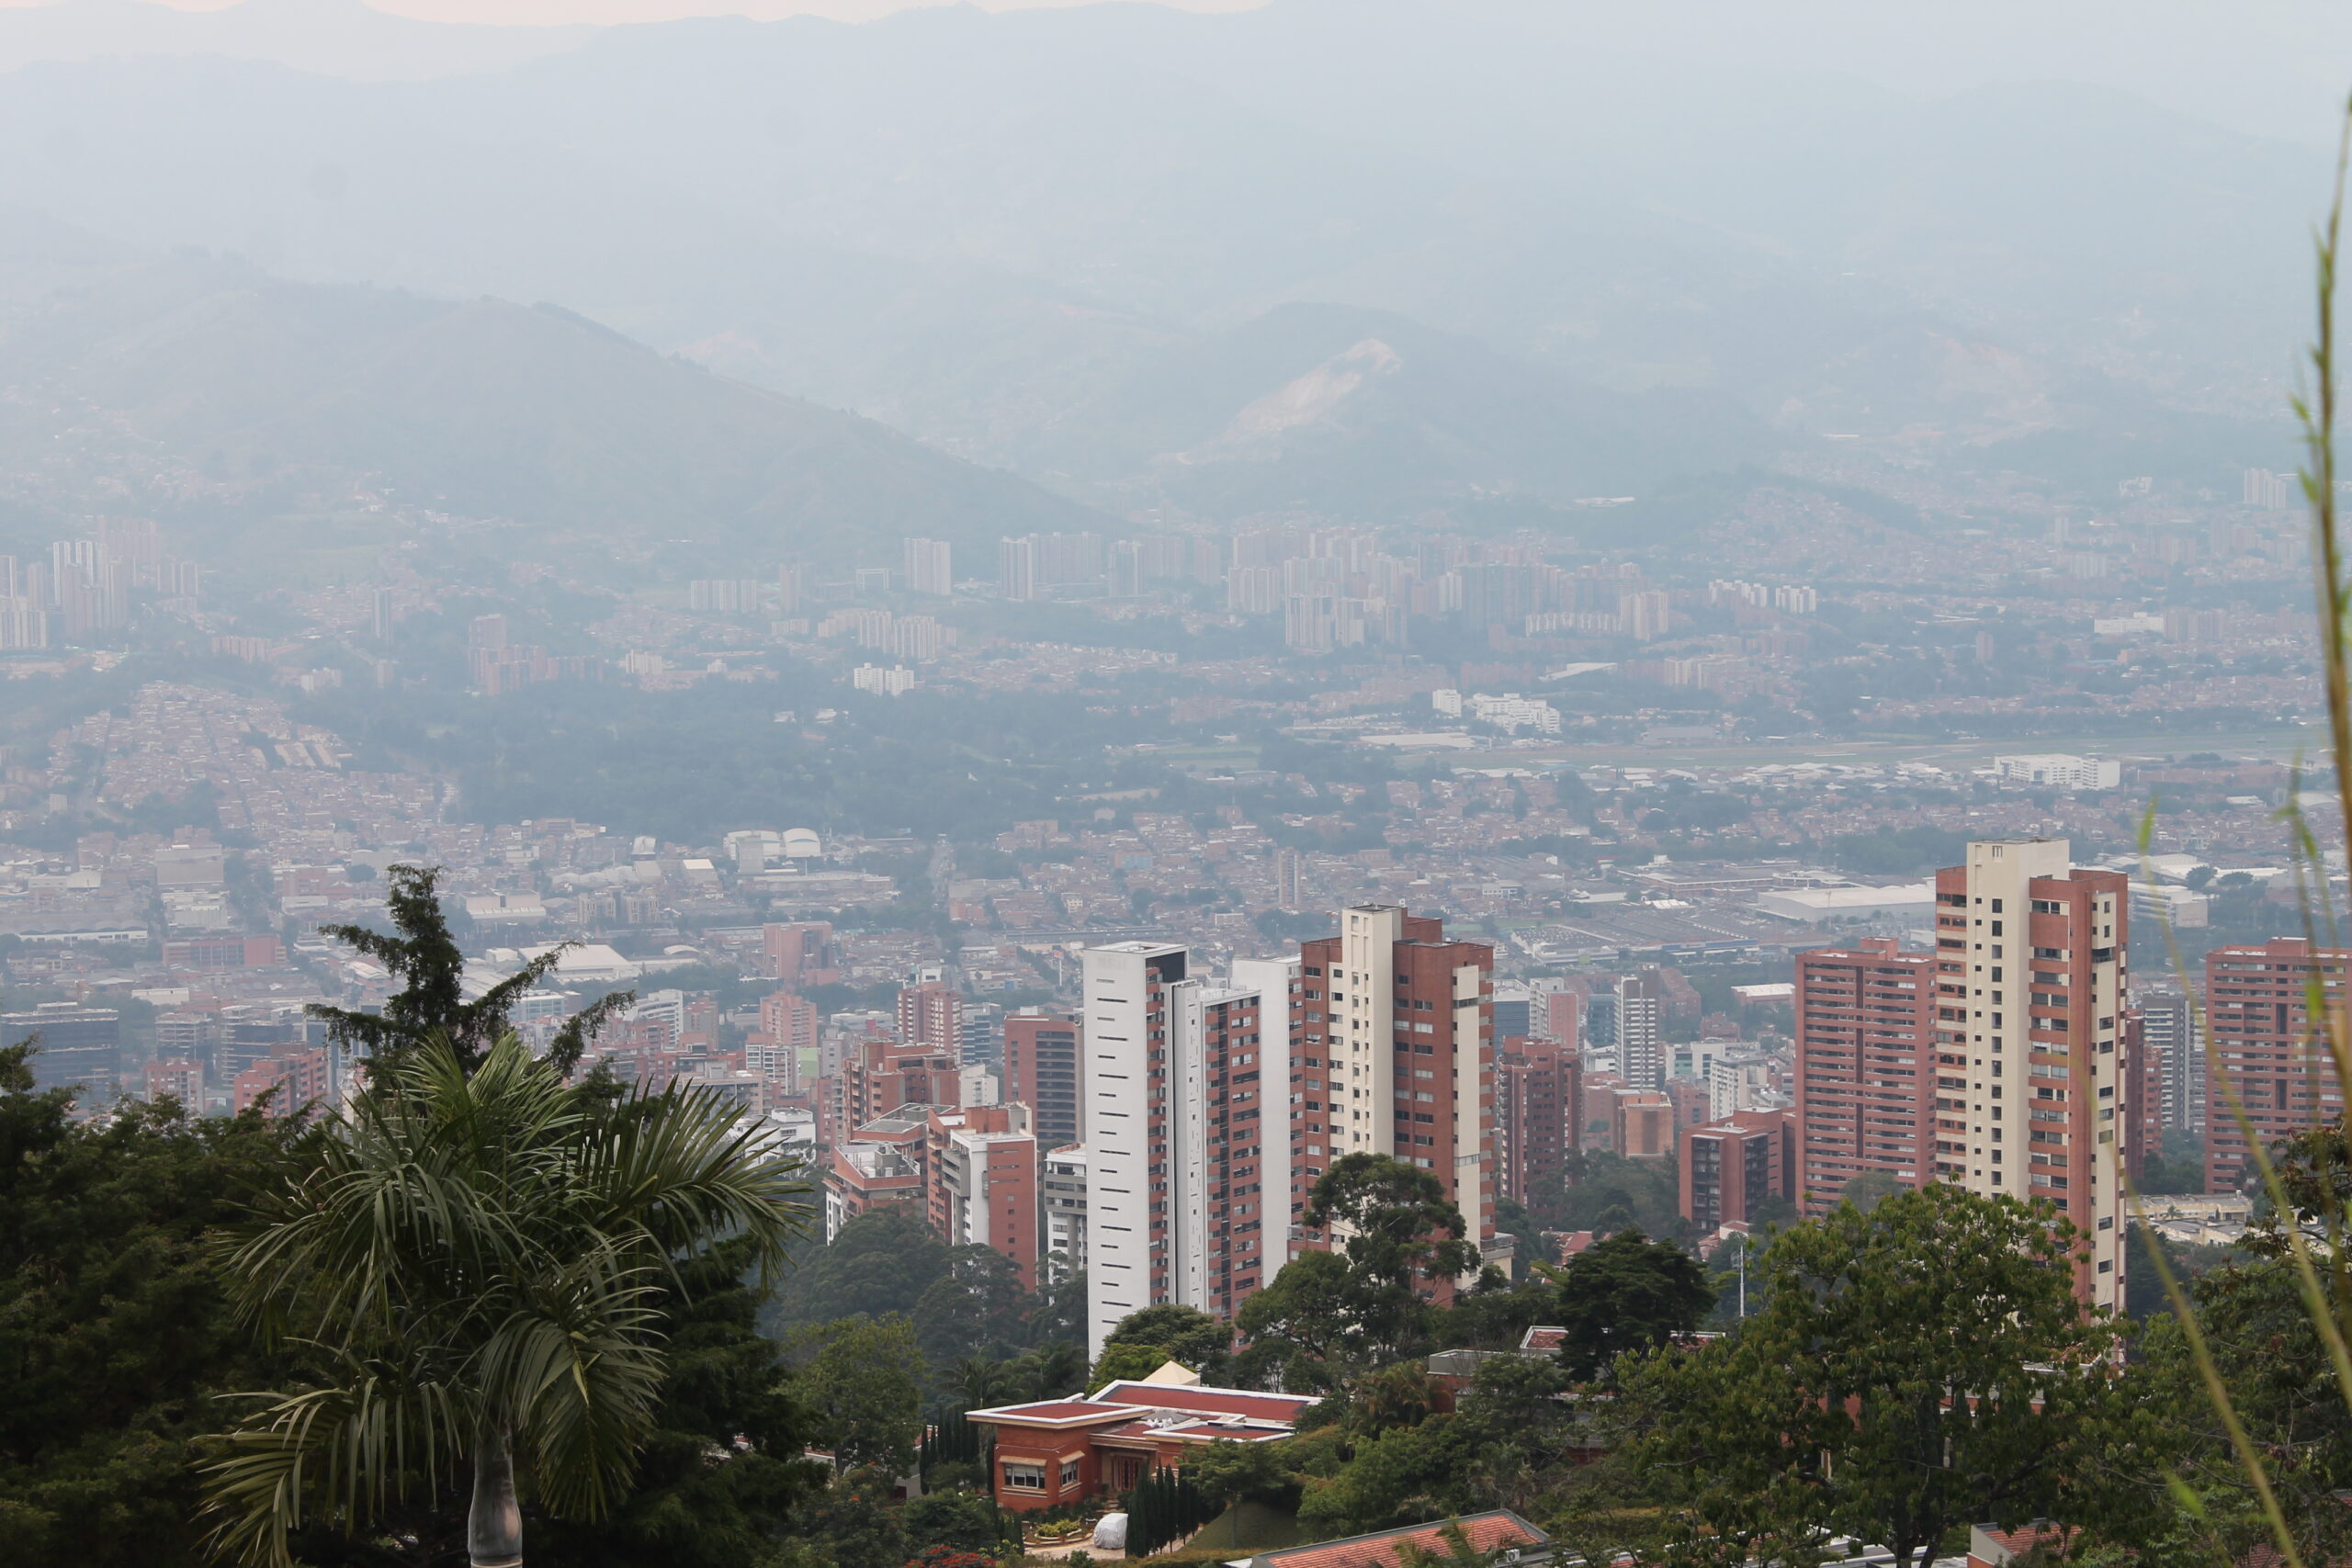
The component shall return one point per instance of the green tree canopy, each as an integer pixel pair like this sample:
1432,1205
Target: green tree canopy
431,1002
1626,1292
879,1265
1607,1192
1914,1369
863,1377
116,1329
1299,1325
977,1306
1166,1333
2274,1363
962,1519
1404,1476
854,1524
1329,1315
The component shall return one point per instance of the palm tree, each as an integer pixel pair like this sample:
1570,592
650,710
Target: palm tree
979,1381
1055,1369
479,1262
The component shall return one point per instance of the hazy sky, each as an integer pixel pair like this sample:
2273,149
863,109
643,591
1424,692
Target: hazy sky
542,12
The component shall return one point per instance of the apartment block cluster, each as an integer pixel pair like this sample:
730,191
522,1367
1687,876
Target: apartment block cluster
1337,589
2010,1060
82,593
495,665
1795,598
1334,588
1167,1138
251,1052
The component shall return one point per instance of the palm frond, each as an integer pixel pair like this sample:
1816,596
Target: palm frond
480,1247
340,1453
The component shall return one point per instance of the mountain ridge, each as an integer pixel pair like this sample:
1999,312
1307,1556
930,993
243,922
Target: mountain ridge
495,409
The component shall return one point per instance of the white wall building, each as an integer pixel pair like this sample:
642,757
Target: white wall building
1909,900
1513,712
1124,1009
1184,1098
1062,1194
2056,770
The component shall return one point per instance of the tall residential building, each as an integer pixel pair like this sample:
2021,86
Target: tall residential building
879,1163
981,1025
930,567
1175,1130
2172,1031
1563,1017
2036,1096
77,1046
803,954
1514,1012
1729,1165
1288,867
881,1074
789,1020
179,1077
1041,1071
1276,982
1392,1053
1866,1066
1641,1043
980,1182
930,1014
1641,1124
297,1082
1539,1089
2270,1061
1018,577
1062,1197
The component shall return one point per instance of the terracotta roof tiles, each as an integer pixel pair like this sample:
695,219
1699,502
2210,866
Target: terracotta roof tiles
1485,1533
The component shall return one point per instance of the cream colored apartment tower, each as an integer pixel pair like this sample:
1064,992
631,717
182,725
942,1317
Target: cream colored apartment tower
2036,1086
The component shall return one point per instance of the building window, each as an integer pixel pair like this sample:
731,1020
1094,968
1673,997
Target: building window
1024,1477
1069,1474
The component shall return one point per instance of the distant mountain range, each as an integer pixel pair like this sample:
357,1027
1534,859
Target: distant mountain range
1361,258
483,408
1310,406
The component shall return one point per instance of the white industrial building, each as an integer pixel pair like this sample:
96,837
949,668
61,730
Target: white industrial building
2056,770
1910,902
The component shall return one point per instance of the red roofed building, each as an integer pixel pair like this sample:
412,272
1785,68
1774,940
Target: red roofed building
1492,1536
1054,1452
1992,1548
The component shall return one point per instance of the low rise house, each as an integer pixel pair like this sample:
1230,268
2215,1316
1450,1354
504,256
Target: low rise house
1053,1452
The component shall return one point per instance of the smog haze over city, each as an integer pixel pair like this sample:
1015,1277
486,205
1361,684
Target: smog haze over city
1479,573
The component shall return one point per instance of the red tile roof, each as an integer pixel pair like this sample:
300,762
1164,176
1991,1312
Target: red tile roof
1058,1410
1486,1532
1209,1401
1124,1398
1542,1338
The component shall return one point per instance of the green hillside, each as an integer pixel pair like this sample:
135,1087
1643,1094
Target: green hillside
485,408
